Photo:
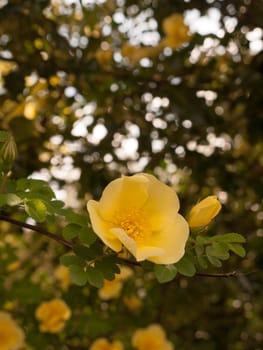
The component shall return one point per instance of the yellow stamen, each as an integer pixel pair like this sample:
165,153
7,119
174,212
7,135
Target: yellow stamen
134,222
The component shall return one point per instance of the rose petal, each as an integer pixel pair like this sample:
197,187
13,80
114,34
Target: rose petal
102,227
171,239
162,202
126,191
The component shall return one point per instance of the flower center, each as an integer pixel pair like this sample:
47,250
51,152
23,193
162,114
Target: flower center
134,222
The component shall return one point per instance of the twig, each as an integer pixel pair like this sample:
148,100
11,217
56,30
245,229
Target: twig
38,229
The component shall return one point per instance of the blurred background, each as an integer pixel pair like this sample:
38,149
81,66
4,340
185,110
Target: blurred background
95,89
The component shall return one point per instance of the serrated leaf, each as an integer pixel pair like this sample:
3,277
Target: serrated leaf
214,261
71,231
36,209
75,218
108,266
84,252
202,261
95,277
237,249
202,240
199,249
165,273
68,260
87,236
78,275
186,267
10,199
220,250
229,238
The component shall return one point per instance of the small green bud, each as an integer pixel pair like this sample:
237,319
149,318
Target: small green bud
9,150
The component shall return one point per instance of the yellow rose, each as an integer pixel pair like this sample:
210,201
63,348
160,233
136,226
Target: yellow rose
153,337
136,53
112,289
140,213
104,344
132,302
203,212
11,336
104,57
53,315
63,276
176,31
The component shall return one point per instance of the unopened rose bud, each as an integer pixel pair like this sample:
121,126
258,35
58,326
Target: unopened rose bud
203,212
9,150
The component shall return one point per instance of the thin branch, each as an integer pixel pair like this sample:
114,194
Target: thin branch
219,275
38,229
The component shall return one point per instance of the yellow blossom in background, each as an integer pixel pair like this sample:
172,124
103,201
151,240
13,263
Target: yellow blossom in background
112,289
151,338
63,276
53,315
140,213
203,212
14,266
11,335
132,302
136,53
104,344
6,67
104,57
176,31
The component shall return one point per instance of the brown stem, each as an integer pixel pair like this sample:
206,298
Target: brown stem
38,229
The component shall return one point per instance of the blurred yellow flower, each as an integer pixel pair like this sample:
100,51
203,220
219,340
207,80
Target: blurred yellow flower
140,213
136,53
63,276
203,212
132,302
151,338
11,335
112,289
176,31
104,344
104,57
14,266
52,315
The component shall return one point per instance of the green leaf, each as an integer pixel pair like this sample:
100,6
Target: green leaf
108,266
202,261
165,273
78,275
220,250
229,238
214,261
85,252
87,236
75,218
199,249
36,209
68,260
237,249
186,267
70,231
95,277
10,199
22,184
